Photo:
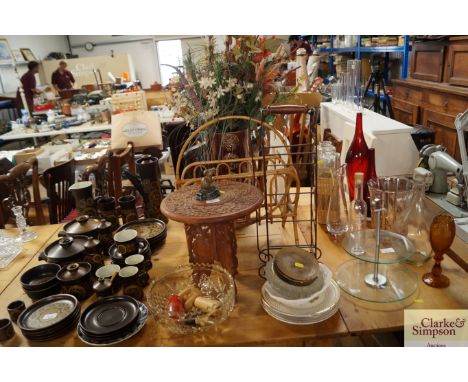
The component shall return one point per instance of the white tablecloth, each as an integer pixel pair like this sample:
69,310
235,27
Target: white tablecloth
395,151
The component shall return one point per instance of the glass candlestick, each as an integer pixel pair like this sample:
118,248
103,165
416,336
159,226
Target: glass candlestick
22,225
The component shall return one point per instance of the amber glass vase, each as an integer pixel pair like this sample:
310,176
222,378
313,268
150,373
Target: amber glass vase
357,157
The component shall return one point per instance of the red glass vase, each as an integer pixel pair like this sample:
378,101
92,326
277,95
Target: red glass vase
357,157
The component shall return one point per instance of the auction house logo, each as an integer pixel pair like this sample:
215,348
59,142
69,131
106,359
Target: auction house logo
436,328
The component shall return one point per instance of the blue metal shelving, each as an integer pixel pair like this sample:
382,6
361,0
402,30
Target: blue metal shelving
358,50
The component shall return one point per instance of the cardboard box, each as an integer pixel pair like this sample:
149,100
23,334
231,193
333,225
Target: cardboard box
51,158
25,154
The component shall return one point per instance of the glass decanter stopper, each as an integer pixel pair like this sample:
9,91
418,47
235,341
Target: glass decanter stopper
22,225
358,215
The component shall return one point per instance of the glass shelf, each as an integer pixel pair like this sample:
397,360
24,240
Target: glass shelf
396,281
394,248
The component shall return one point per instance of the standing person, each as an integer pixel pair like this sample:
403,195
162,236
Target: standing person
62,79
28,82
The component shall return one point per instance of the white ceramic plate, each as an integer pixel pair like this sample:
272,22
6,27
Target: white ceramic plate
302,302
322,308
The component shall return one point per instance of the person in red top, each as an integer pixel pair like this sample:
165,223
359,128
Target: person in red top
28,82
62,79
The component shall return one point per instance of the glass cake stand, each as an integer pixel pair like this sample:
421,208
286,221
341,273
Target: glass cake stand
376,275
394,248
394,282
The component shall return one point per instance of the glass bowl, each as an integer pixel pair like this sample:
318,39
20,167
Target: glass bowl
212,280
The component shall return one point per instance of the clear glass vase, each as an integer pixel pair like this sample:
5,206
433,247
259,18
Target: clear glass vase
415,225
338,214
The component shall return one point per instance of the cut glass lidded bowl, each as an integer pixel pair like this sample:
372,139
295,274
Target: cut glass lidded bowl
213,281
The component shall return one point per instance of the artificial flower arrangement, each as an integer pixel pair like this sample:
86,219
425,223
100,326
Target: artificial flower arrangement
236,81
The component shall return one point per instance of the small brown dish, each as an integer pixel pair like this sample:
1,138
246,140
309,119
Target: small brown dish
41,281
15,308
75,279
6,329
39,277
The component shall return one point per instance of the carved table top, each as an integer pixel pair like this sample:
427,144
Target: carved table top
236,200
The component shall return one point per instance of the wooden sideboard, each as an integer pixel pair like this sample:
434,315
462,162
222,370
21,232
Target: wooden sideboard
433,105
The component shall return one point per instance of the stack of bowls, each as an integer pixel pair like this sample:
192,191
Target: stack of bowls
50,317
41,281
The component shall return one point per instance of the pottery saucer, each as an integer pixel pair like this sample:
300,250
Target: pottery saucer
140,323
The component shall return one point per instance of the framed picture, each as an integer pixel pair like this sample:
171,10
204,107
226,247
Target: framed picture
27,54
5,52
17,55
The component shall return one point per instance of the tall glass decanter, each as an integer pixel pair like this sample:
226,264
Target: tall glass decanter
415,224
357,157
358,215
338,213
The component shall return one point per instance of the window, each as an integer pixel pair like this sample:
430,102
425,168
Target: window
169,53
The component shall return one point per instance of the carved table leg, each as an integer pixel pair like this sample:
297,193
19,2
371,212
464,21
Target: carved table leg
213,242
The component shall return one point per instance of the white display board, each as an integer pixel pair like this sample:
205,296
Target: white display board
82,68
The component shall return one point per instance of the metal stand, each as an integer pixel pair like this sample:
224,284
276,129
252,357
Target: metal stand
280,199
376,82
376,280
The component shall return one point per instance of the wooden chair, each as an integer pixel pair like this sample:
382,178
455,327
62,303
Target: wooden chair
57,181
117,160
17,183
100,171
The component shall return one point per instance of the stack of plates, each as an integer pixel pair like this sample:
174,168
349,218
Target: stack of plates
318,307
148,229
50,318
111,320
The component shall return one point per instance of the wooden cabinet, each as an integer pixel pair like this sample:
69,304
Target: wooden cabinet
457,63
427,61
433,105
445,133
441,61
405,111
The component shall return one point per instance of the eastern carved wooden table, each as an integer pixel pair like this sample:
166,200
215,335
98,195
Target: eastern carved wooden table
209,225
